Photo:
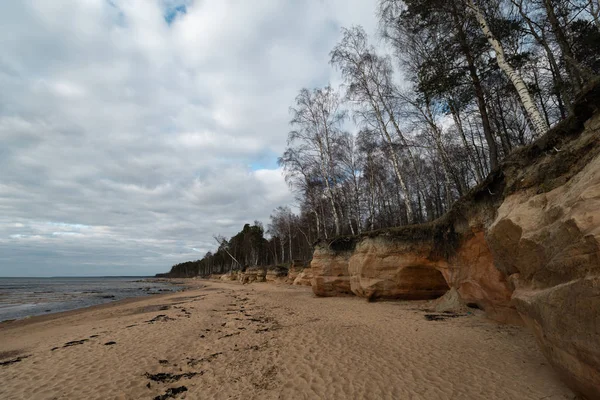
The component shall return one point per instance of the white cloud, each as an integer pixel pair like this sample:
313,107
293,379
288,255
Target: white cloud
126,141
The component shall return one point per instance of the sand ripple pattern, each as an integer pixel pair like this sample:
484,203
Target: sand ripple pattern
266,341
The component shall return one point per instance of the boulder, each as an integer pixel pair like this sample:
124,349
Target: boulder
449,302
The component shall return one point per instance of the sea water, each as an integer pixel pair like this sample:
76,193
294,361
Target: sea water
26,297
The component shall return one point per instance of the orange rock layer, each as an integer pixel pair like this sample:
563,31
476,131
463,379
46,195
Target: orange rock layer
524,246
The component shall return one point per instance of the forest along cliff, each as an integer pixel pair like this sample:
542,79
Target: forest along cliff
523,246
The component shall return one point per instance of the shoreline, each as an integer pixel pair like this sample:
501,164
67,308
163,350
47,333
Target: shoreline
268,341
58,314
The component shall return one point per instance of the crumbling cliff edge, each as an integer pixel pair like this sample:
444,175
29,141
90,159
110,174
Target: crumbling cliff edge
524,246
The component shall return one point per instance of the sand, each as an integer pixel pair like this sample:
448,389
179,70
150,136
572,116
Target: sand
267,341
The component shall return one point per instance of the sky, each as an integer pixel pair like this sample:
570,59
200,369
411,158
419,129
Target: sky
131,131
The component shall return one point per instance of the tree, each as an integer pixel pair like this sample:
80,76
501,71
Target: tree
531,108
224,246
316,139
369,86
478,80
445,23
281,227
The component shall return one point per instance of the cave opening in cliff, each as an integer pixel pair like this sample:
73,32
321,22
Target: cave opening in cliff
422,283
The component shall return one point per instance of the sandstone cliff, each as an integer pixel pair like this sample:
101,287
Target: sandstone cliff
296,269
252,274
523,245
277,274
304,278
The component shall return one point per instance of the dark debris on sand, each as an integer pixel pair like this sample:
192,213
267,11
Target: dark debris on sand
194,361
442,317
160,318
13,361
164,377
171,393
75,342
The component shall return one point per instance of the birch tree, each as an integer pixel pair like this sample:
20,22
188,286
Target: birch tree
369,87
317,120
539,123
446,24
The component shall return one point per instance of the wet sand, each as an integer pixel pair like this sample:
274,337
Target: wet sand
267,341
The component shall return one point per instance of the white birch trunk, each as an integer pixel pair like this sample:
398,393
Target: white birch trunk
318,224
595,11
395,164
336,218
386,136
539,124
290,236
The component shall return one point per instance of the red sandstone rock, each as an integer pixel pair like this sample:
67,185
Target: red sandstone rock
528,241
330,273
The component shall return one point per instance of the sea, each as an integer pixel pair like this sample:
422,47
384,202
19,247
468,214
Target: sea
27,297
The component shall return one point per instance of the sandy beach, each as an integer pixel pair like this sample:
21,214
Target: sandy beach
267,341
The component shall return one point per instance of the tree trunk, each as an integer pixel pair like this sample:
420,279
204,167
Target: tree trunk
323,220
388,139
372,197
357,205
325,176
562,96
542,102
290,237
396,165
501,125
594,6
539,124
477,87
573,67
461,131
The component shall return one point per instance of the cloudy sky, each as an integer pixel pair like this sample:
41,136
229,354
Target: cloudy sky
132,130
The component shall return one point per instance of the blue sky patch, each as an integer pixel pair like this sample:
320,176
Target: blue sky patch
173,13
268,160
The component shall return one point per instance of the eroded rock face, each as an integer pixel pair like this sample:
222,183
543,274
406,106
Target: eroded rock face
383,267
276,275
565,321
472,272
230,276
304,278
330,272
523,246
549,245
379,268
295,269
252,274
